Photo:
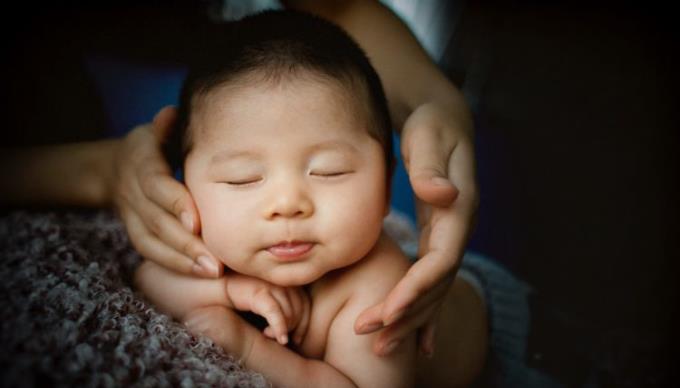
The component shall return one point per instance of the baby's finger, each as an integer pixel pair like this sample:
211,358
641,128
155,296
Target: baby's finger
264,304
305,315
284,302
269,332
298,299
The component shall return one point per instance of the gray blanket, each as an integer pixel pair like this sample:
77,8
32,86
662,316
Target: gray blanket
70,318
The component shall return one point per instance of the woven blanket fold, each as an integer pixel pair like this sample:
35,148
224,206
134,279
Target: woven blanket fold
70,318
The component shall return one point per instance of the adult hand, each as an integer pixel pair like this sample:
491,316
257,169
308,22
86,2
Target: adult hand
158,212
439,159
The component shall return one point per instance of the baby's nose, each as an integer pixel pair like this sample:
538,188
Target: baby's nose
292,201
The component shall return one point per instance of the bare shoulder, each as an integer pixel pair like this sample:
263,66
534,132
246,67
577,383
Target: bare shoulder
377,274
363,285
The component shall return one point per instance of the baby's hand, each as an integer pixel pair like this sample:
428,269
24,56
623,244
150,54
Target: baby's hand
286,309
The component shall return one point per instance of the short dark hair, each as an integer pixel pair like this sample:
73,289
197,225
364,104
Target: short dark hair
278,45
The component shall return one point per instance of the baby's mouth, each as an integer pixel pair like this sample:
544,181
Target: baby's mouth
291,250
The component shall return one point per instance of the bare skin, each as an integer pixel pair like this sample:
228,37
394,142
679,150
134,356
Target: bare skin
160,215
327,337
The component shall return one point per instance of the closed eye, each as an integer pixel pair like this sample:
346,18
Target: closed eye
330,174
243,182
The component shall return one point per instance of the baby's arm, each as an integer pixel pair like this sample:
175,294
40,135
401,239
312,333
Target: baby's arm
179,295
353,354
349,360
282,366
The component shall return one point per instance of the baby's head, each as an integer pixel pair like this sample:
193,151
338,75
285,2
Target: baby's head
286,145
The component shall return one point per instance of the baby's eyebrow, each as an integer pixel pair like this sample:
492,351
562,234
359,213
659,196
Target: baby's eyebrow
334,145
226,155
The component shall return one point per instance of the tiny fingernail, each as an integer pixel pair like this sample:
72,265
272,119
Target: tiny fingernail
198,270
283,339
439,181
389,348
187,221
370,327
208,265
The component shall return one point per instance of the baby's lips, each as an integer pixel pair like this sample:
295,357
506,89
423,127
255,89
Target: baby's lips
290,250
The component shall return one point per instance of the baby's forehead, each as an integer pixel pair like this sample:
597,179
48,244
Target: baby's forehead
251,97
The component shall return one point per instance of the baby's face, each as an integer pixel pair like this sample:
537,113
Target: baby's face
288,182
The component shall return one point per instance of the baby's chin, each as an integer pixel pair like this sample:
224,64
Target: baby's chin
289,277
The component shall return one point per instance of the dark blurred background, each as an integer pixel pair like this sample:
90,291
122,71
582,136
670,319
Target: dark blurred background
576,111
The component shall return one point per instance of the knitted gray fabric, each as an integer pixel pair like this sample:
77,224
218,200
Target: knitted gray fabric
69,317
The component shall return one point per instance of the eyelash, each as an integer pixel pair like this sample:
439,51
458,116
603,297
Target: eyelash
243,182
330,174
326,175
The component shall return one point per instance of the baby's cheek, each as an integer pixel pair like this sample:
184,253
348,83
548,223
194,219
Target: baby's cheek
360,221
219,237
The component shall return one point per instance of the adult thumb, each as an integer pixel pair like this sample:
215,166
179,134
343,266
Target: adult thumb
163,122
427,171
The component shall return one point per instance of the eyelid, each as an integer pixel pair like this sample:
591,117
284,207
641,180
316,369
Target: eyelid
330,174
243,182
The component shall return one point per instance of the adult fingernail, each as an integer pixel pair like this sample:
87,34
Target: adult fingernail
394,317
209,265
369,327
428,350
389,348
187,221
439,181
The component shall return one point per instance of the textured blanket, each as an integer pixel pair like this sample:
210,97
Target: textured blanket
70,318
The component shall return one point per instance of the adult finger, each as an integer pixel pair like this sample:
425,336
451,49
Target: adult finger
369,320
167,229
163,122
425,274
420,317
426,337
432,297
153,249
390,338
164,190
445,243
427,166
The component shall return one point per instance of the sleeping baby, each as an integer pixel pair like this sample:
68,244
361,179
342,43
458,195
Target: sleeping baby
284,140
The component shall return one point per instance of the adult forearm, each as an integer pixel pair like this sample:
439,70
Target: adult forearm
408,74
70,174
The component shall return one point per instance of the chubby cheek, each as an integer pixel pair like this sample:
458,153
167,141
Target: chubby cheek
223,227
356,218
